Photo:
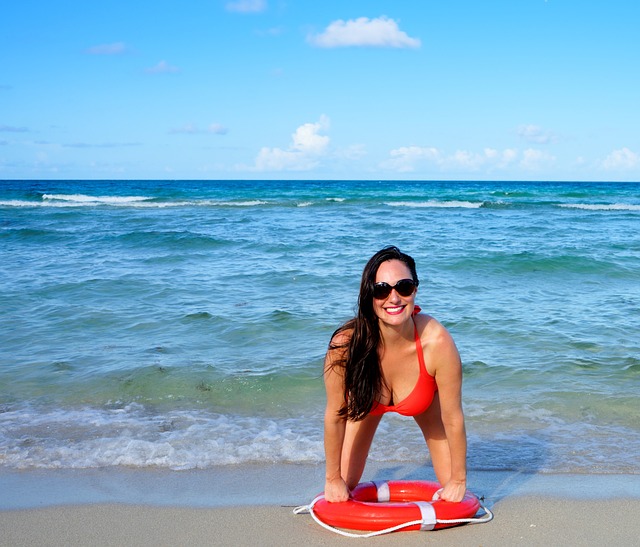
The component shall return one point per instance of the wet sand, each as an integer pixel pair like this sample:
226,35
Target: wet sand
253,505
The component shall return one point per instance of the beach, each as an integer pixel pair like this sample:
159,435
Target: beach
253,505
520,521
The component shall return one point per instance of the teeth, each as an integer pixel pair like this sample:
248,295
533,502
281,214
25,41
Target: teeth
393,310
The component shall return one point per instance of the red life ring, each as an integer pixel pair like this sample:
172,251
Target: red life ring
382,505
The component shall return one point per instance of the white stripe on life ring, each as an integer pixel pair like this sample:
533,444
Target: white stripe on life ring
428,515
384,494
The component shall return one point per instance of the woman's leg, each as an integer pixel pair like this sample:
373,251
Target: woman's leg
355,449
430,422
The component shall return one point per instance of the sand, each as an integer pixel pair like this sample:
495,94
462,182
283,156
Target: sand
133,507
518,521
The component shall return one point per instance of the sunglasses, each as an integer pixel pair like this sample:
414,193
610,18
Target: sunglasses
404,287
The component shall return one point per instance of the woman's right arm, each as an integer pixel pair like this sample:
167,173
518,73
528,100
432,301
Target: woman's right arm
335,488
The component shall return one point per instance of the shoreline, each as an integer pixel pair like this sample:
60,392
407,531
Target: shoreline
253,504
273,484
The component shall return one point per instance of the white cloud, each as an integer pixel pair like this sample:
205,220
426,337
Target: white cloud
193,129
276,159
162,68
218,129
247,6
536,135
117,48
304,153
364,32
621,160
470,161
307,140
499,159
411,158
408,158
101,145
535,160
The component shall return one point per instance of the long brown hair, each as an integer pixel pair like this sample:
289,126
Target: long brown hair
362,374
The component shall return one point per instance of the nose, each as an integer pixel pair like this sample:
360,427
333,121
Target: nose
394,296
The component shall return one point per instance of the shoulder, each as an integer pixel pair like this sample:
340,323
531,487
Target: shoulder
436,339
431,330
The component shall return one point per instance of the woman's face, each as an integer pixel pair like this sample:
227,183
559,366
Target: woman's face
394,309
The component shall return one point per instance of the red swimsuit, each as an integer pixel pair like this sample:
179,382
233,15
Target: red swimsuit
422,395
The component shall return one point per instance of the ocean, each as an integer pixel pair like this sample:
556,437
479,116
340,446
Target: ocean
183,324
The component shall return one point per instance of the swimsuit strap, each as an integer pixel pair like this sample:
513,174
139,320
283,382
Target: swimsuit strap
419,350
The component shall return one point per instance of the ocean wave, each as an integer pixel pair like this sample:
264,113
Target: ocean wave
133,201
438,204
18,203
136,436
246,203
82,198
601,206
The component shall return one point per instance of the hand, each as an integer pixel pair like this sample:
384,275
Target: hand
454,491
335,490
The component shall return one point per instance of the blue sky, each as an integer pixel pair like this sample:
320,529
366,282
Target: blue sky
306,89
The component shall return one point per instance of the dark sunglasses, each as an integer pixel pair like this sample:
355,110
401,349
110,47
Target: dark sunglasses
404,287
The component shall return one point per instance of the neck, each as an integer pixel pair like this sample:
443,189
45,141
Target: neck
393,334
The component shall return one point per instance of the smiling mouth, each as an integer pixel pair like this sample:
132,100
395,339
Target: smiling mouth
394,309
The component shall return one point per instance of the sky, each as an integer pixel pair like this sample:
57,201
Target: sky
320,89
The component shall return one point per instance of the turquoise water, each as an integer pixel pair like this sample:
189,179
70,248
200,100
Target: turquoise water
183,324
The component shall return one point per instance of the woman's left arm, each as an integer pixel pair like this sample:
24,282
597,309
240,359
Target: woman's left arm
448,374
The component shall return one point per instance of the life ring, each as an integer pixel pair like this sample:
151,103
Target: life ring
388,504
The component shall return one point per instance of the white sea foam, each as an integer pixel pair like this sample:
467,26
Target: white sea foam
18,203
132,436
248,203
82,199
135,436
438,204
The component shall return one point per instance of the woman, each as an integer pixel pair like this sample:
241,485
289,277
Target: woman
392,358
